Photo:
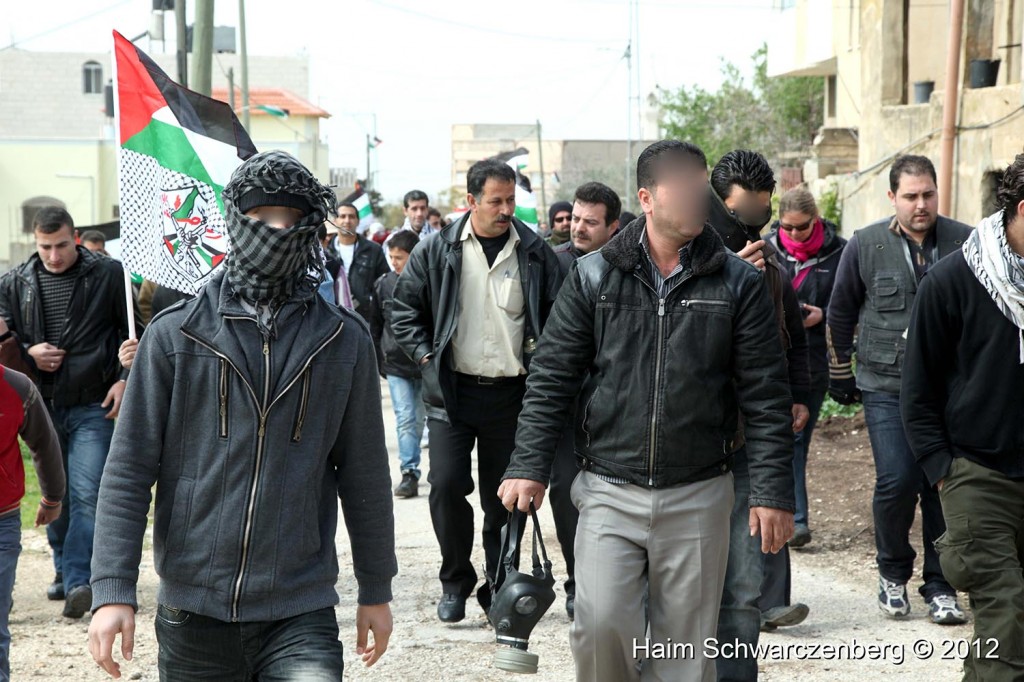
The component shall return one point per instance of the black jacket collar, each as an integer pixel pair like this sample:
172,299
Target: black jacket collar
707,252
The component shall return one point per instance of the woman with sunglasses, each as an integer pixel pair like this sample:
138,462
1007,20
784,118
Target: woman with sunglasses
809,246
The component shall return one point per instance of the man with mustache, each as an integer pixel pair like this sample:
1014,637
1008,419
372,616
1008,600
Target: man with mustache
876,284
468,309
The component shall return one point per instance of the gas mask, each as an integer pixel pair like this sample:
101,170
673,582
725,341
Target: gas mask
519,599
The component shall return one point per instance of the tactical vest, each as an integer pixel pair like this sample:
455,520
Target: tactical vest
890,287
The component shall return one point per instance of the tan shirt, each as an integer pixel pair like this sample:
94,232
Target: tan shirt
488,339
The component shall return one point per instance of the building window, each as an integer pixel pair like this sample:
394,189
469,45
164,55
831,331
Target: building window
92,78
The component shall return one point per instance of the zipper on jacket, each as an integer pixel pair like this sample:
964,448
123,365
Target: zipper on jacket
686,303
303,403
657,392
257,466
223,398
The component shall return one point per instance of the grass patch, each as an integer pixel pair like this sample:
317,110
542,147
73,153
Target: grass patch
29,503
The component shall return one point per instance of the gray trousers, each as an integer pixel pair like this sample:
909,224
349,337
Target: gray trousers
672,542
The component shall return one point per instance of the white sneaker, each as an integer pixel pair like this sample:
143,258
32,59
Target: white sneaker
892,598
945,610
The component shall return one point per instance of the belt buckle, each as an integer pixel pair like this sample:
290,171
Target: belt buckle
486,381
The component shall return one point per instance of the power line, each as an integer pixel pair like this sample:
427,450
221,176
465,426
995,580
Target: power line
66,25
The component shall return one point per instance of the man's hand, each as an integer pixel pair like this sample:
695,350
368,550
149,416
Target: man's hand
375,619
801,415
106,623
938,485
47,357
517,492
844,391
774,525
753,253
126,353
46,515
114,397
814,315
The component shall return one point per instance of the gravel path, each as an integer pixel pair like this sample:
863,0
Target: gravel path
838,586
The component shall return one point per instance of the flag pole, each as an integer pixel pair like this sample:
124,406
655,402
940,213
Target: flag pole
129,301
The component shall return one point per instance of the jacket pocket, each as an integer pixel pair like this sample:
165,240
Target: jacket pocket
587,413
223,391
887,292
300,416
882,349
181,514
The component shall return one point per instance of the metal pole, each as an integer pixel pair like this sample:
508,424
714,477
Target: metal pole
231,87
949,105
368,182
543,182
202,47
244,65
180,32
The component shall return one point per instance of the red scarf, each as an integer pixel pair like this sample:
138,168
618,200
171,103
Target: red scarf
803,251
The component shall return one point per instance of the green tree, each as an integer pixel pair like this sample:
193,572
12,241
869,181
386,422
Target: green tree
771,115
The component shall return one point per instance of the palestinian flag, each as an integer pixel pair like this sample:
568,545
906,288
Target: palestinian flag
177,151
526,201
361,200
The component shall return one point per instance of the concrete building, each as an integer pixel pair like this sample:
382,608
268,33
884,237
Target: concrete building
566,163
57,144
883,62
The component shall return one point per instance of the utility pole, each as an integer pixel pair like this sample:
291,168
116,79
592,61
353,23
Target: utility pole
368,181
231,87
950,101
180,32
543,182
202,47
244,64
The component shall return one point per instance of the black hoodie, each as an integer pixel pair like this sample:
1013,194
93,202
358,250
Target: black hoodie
787,308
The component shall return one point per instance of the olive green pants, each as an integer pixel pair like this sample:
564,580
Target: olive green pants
982,553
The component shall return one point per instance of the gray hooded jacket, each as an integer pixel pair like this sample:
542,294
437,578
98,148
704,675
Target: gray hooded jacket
249,439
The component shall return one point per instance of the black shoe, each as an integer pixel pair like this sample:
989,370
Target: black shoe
570,606
409,487
78,601
451,608
783,616
55,592
801,537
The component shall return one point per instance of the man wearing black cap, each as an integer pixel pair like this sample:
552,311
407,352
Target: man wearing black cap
560,222
238,410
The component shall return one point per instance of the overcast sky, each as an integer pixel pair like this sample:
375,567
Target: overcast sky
423,66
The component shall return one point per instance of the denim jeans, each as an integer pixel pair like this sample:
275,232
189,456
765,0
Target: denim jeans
740,618
407,400
899,482
10,548
801,444
85,441
303,648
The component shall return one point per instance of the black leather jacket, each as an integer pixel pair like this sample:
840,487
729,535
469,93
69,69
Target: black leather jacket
661,382
368,264
97,324
391,359
425,310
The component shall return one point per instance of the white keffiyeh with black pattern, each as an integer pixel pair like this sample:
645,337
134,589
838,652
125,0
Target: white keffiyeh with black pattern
999,269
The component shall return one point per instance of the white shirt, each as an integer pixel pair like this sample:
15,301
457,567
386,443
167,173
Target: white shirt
346,252
488,339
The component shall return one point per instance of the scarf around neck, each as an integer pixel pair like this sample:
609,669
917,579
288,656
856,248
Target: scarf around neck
998,269
803,251
266,265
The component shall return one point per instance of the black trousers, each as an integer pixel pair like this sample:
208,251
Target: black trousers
563,472
485,417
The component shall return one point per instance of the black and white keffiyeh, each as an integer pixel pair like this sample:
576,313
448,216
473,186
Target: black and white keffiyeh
267,265
999,269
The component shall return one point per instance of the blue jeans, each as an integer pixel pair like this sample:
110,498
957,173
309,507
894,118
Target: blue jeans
899,482
10,548
304,648
85,441
739,619
801,444
407,400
